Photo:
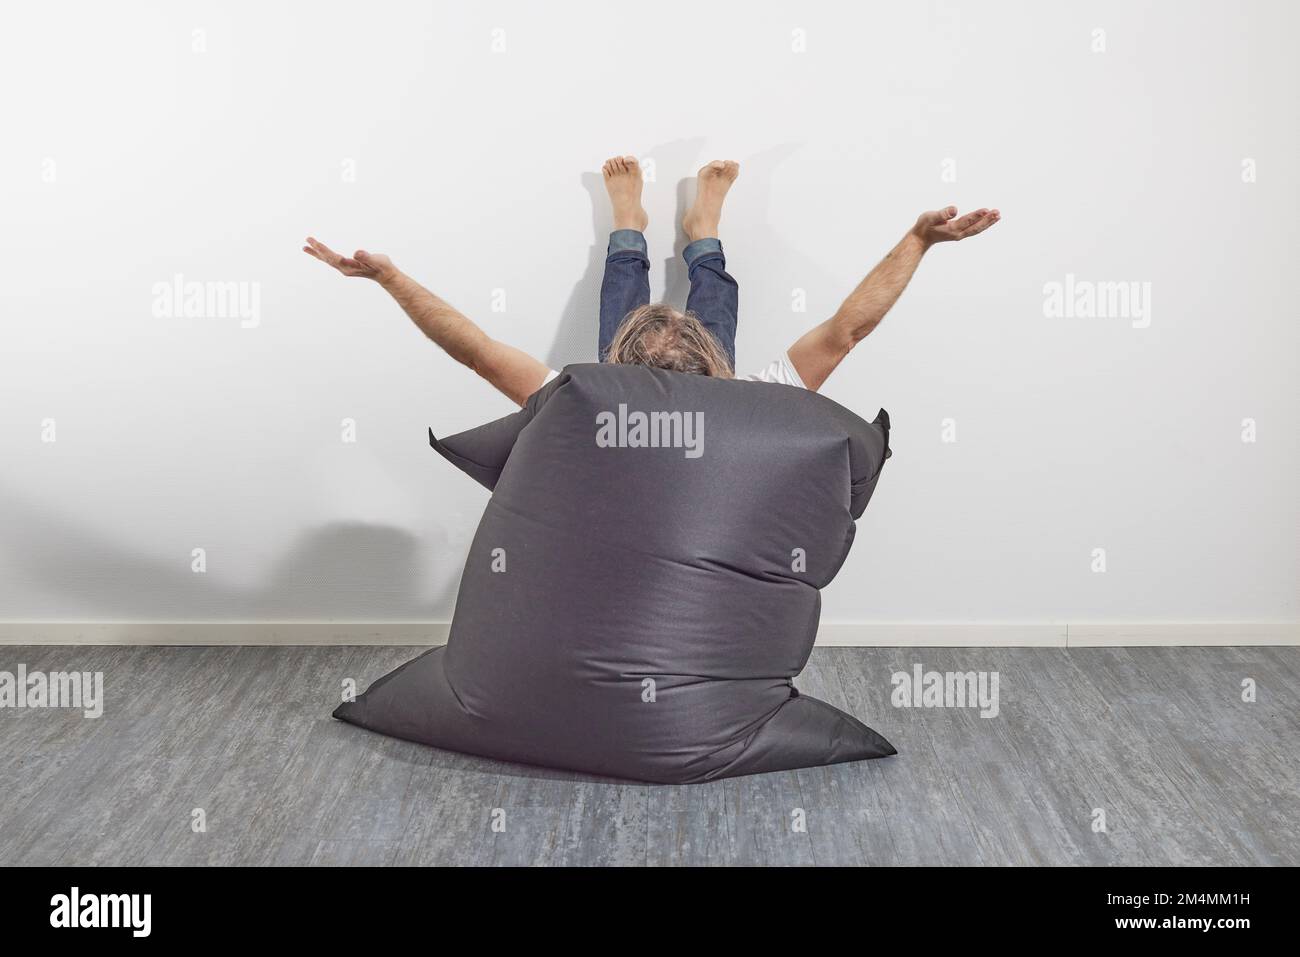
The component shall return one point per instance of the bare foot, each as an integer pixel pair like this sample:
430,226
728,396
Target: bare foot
701,221
623,182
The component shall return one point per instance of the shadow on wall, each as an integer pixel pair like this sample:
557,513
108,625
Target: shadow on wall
337,571
778,263
783,265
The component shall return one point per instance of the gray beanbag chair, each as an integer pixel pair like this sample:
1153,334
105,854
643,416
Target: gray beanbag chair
644,583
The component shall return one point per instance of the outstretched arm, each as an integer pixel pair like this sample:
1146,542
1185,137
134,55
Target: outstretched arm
816,354
510,370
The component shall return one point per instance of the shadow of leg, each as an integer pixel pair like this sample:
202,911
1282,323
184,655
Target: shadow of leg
575,339
676,281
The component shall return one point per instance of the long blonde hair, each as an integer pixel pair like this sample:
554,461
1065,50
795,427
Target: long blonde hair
658,335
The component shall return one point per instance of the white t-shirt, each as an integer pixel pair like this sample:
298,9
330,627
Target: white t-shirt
779,370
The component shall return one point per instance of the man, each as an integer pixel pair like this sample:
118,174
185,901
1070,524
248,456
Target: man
701,340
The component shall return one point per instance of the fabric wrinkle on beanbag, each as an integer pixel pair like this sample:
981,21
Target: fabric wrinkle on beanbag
644,584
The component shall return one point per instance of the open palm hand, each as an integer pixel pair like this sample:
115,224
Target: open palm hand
943,225
361,263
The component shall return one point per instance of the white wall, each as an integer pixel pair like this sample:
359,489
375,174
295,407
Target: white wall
129,157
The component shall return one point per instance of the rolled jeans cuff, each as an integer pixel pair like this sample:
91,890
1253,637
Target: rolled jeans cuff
699,249
628,240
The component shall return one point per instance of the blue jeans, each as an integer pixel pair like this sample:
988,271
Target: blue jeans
713,299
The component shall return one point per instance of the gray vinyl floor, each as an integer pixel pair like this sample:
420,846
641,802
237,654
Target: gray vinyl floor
1159,740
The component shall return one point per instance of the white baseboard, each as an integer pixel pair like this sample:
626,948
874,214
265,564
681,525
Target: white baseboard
941,634
831,634
1133,634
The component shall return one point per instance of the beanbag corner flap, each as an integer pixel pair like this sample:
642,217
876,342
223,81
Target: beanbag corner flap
480,453
868,451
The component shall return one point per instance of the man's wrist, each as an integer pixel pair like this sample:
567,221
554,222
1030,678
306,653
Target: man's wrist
917,240
389,278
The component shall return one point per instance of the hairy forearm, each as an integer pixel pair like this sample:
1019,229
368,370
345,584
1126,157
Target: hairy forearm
438,319
862,311
512,371
819,351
